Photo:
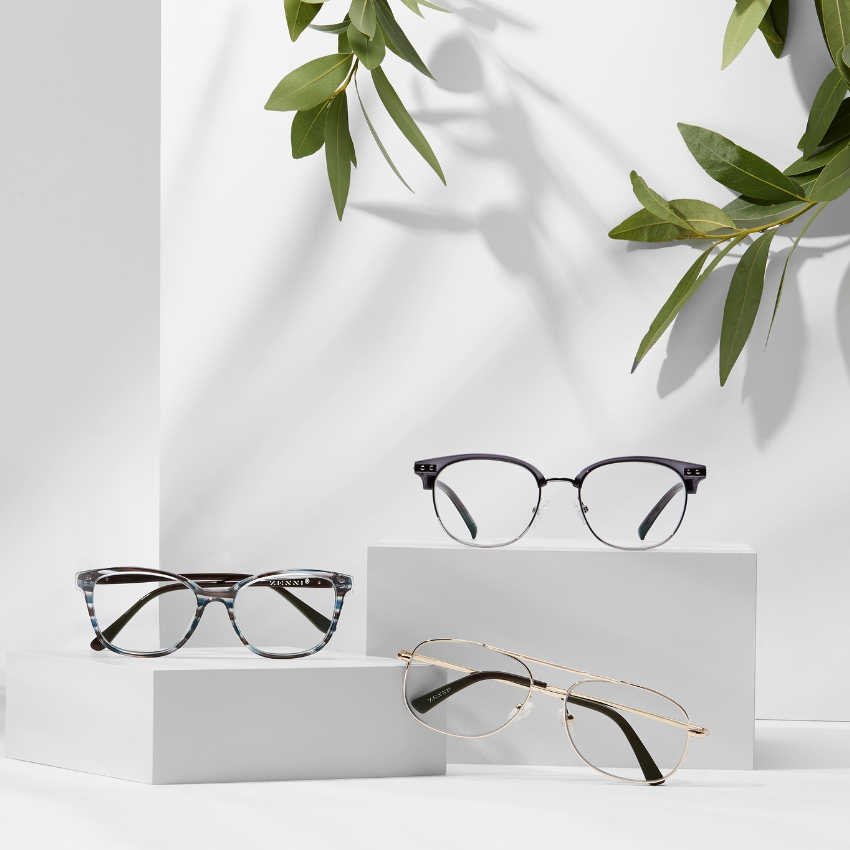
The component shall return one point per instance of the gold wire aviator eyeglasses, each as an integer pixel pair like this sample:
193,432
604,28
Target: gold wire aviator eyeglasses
625,731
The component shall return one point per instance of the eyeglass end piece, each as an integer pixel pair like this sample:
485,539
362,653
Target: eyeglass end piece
699,732
404,655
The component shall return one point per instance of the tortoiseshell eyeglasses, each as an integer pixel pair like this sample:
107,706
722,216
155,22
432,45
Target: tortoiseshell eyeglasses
148,613
627,502
472,690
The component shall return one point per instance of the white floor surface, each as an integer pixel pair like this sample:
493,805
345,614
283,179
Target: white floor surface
799,797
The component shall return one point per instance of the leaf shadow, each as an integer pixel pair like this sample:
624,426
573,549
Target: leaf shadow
842,320
807,52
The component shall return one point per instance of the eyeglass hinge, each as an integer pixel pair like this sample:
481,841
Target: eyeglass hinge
699,731
404,655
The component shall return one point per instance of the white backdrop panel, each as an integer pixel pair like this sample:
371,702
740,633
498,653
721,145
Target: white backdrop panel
307,363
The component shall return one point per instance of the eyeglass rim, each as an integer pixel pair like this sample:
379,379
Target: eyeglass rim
614,775
429,471
86,581
472,643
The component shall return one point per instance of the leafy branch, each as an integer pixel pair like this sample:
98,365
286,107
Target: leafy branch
768,199
318,91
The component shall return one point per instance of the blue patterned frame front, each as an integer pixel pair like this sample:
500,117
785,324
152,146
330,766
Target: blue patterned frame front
86,580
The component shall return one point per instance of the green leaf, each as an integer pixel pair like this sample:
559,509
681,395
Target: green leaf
774,41
840,127
377,139
826,104
298,16
308,131
834,180
736,167
753,209
396,39
343,45
370,52
338,150
742,302
654,203
683,291
686,287
406,124
353,156
309,85
779,14
643,226
362,14
334,29
701,215
434,6
413,6
746,17
817,162
836,27
802,233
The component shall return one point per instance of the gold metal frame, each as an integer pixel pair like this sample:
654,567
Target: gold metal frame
561,693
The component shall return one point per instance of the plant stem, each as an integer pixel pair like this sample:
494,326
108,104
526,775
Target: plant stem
762,228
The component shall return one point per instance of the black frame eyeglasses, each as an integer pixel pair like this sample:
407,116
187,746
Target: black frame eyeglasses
279,614
487,500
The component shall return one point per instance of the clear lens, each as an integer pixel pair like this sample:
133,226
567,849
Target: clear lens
634,504
459,702
286,613
127,608
620,742
486,502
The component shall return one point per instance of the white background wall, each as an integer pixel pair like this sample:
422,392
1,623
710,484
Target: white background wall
79,305
308,363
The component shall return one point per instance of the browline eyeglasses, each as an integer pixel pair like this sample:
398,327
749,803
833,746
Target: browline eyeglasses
489,500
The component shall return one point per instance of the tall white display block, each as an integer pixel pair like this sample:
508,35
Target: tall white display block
216,716
679,619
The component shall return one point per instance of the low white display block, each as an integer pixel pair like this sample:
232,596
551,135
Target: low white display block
215,716
679,619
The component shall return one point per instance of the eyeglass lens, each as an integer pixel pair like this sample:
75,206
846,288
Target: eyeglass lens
486,502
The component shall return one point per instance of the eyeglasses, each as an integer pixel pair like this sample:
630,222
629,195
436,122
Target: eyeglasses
626,502
284,614
471,690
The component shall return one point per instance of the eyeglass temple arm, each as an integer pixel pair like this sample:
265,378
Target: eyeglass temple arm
649,520
320,621
425,702
460,507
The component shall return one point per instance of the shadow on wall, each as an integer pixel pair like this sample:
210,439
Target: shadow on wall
500,128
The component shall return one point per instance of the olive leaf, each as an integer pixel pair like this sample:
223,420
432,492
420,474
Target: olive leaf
377,138
334,29
800,235
343,45
834,180
825,106
742,302
309,85
643,226
840,127
395,38
394,106
298,16
736,167
774,26
701,215
745,20
413,6
654,203
747,209
308,131
338,150
362,14
817,162
680,296
370,51
836,29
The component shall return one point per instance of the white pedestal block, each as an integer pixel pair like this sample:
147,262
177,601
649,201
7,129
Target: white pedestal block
680,620
215,716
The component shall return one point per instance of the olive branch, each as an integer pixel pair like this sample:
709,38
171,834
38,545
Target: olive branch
318,91
768,199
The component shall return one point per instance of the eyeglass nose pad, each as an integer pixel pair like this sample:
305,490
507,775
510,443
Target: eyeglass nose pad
580,508
521,711
566,718
541,508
